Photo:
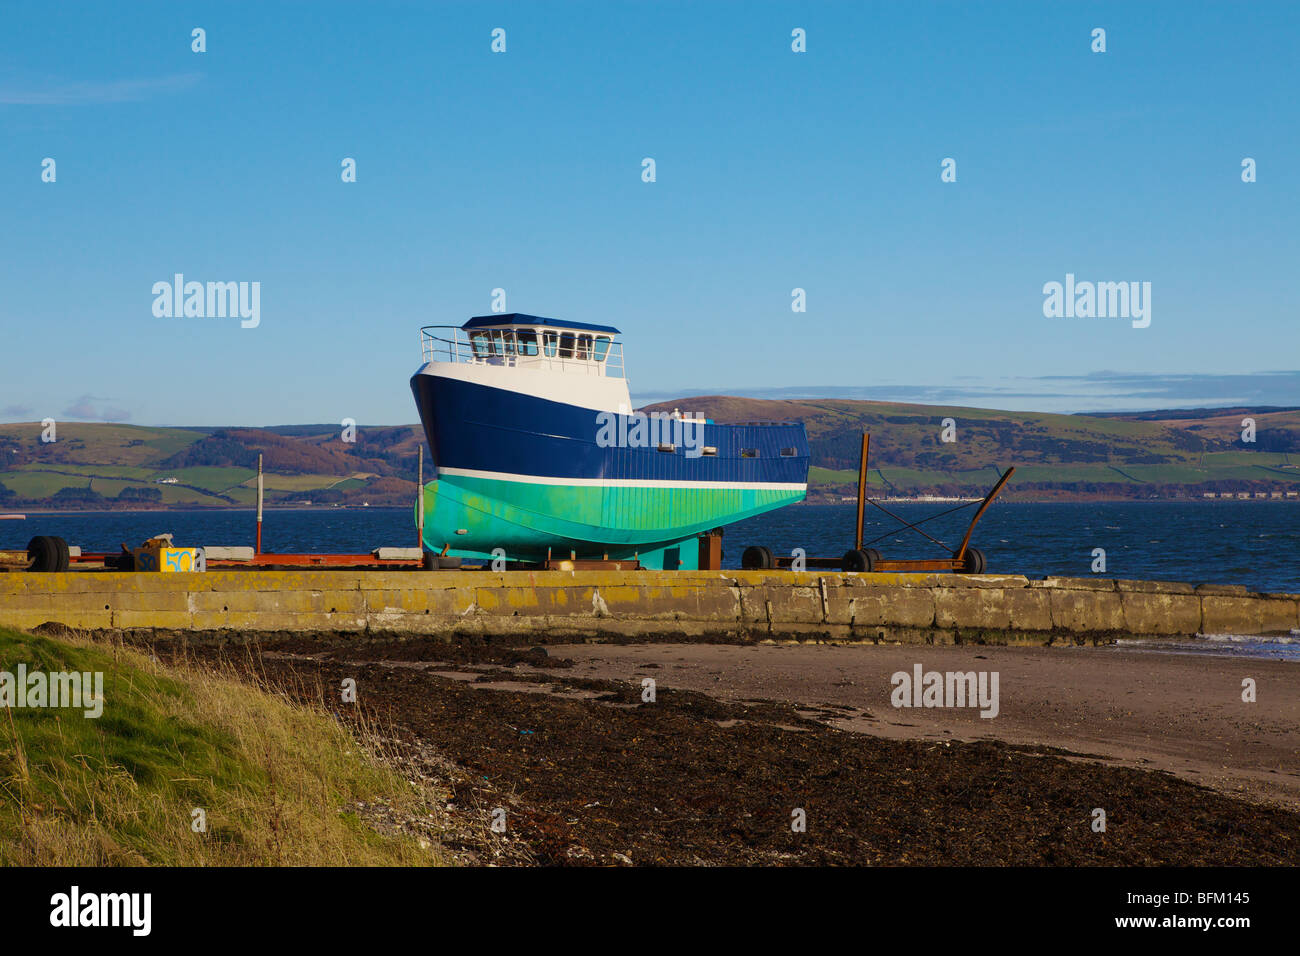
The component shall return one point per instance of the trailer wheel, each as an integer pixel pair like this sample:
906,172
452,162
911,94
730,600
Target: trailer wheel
48,553
973,562
757,558
861,560
448,563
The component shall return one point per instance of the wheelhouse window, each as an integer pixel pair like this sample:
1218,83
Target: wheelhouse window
492,345
484,345
526,341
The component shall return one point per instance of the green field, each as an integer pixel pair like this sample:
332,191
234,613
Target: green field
298,482
209,478
104,444
94,471
33,484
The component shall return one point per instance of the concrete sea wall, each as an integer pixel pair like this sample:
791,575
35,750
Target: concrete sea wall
552,606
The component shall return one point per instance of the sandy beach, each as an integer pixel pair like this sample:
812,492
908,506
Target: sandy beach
1181,713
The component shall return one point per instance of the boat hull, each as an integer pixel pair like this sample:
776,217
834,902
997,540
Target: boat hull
523,477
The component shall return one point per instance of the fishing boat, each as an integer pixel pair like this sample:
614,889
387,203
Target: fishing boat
538,452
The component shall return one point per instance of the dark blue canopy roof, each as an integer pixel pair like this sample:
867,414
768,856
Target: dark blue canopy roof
519,318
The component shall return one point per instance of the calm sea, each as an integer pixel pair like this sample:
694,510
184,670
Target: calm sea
1255,543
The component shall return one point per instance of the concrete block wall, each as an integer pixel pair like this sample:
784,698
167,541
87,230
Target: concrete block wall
550,606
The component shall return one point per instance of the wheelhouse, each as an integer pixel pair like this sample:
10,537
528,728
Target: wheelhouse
527,341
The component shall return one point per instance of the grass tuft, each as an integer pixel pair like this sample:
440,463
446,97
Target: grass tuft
280,783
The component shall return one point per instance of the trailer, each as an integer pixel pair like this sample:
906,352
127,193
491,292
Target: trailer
862,558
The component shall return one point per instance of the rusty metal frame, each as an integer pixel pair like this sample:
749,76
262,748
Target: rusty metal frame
956,559
979,513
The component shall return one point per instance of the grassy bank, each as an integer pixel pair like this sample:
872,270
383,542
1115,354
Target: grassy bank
279,782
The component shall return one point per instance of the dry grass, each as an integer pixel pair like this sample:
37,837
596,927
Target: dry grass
280,783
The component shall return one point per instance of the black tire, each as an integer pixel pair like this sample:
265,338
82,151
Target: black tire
757,558
973,561
448,563
123,560
47,553
860,560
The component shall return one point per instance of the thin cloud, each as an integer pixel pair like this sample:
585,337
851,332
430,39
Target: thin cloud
86,408
52,93
16,412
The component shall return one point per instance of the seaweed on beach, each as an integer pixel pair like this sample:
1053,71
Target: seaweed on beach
604,777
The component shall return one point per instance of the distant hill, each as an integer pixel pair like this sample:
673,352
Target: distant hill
1161,454
1142,455
128,466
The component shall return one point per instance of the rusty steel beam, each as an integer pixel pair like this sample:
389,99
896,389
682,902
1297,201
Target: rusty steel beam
988,500
919,564
862,489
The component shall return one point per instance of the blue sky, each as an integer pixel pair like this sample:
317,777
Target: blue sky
522,170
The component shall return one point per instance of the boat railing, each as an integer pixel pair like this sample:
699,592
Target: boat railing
502,347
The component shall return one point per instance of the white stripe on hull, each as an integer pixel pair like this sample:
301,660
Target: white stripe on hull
624,482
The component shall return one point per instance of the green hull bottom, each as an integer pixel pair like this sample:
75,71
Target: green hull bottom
474,517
